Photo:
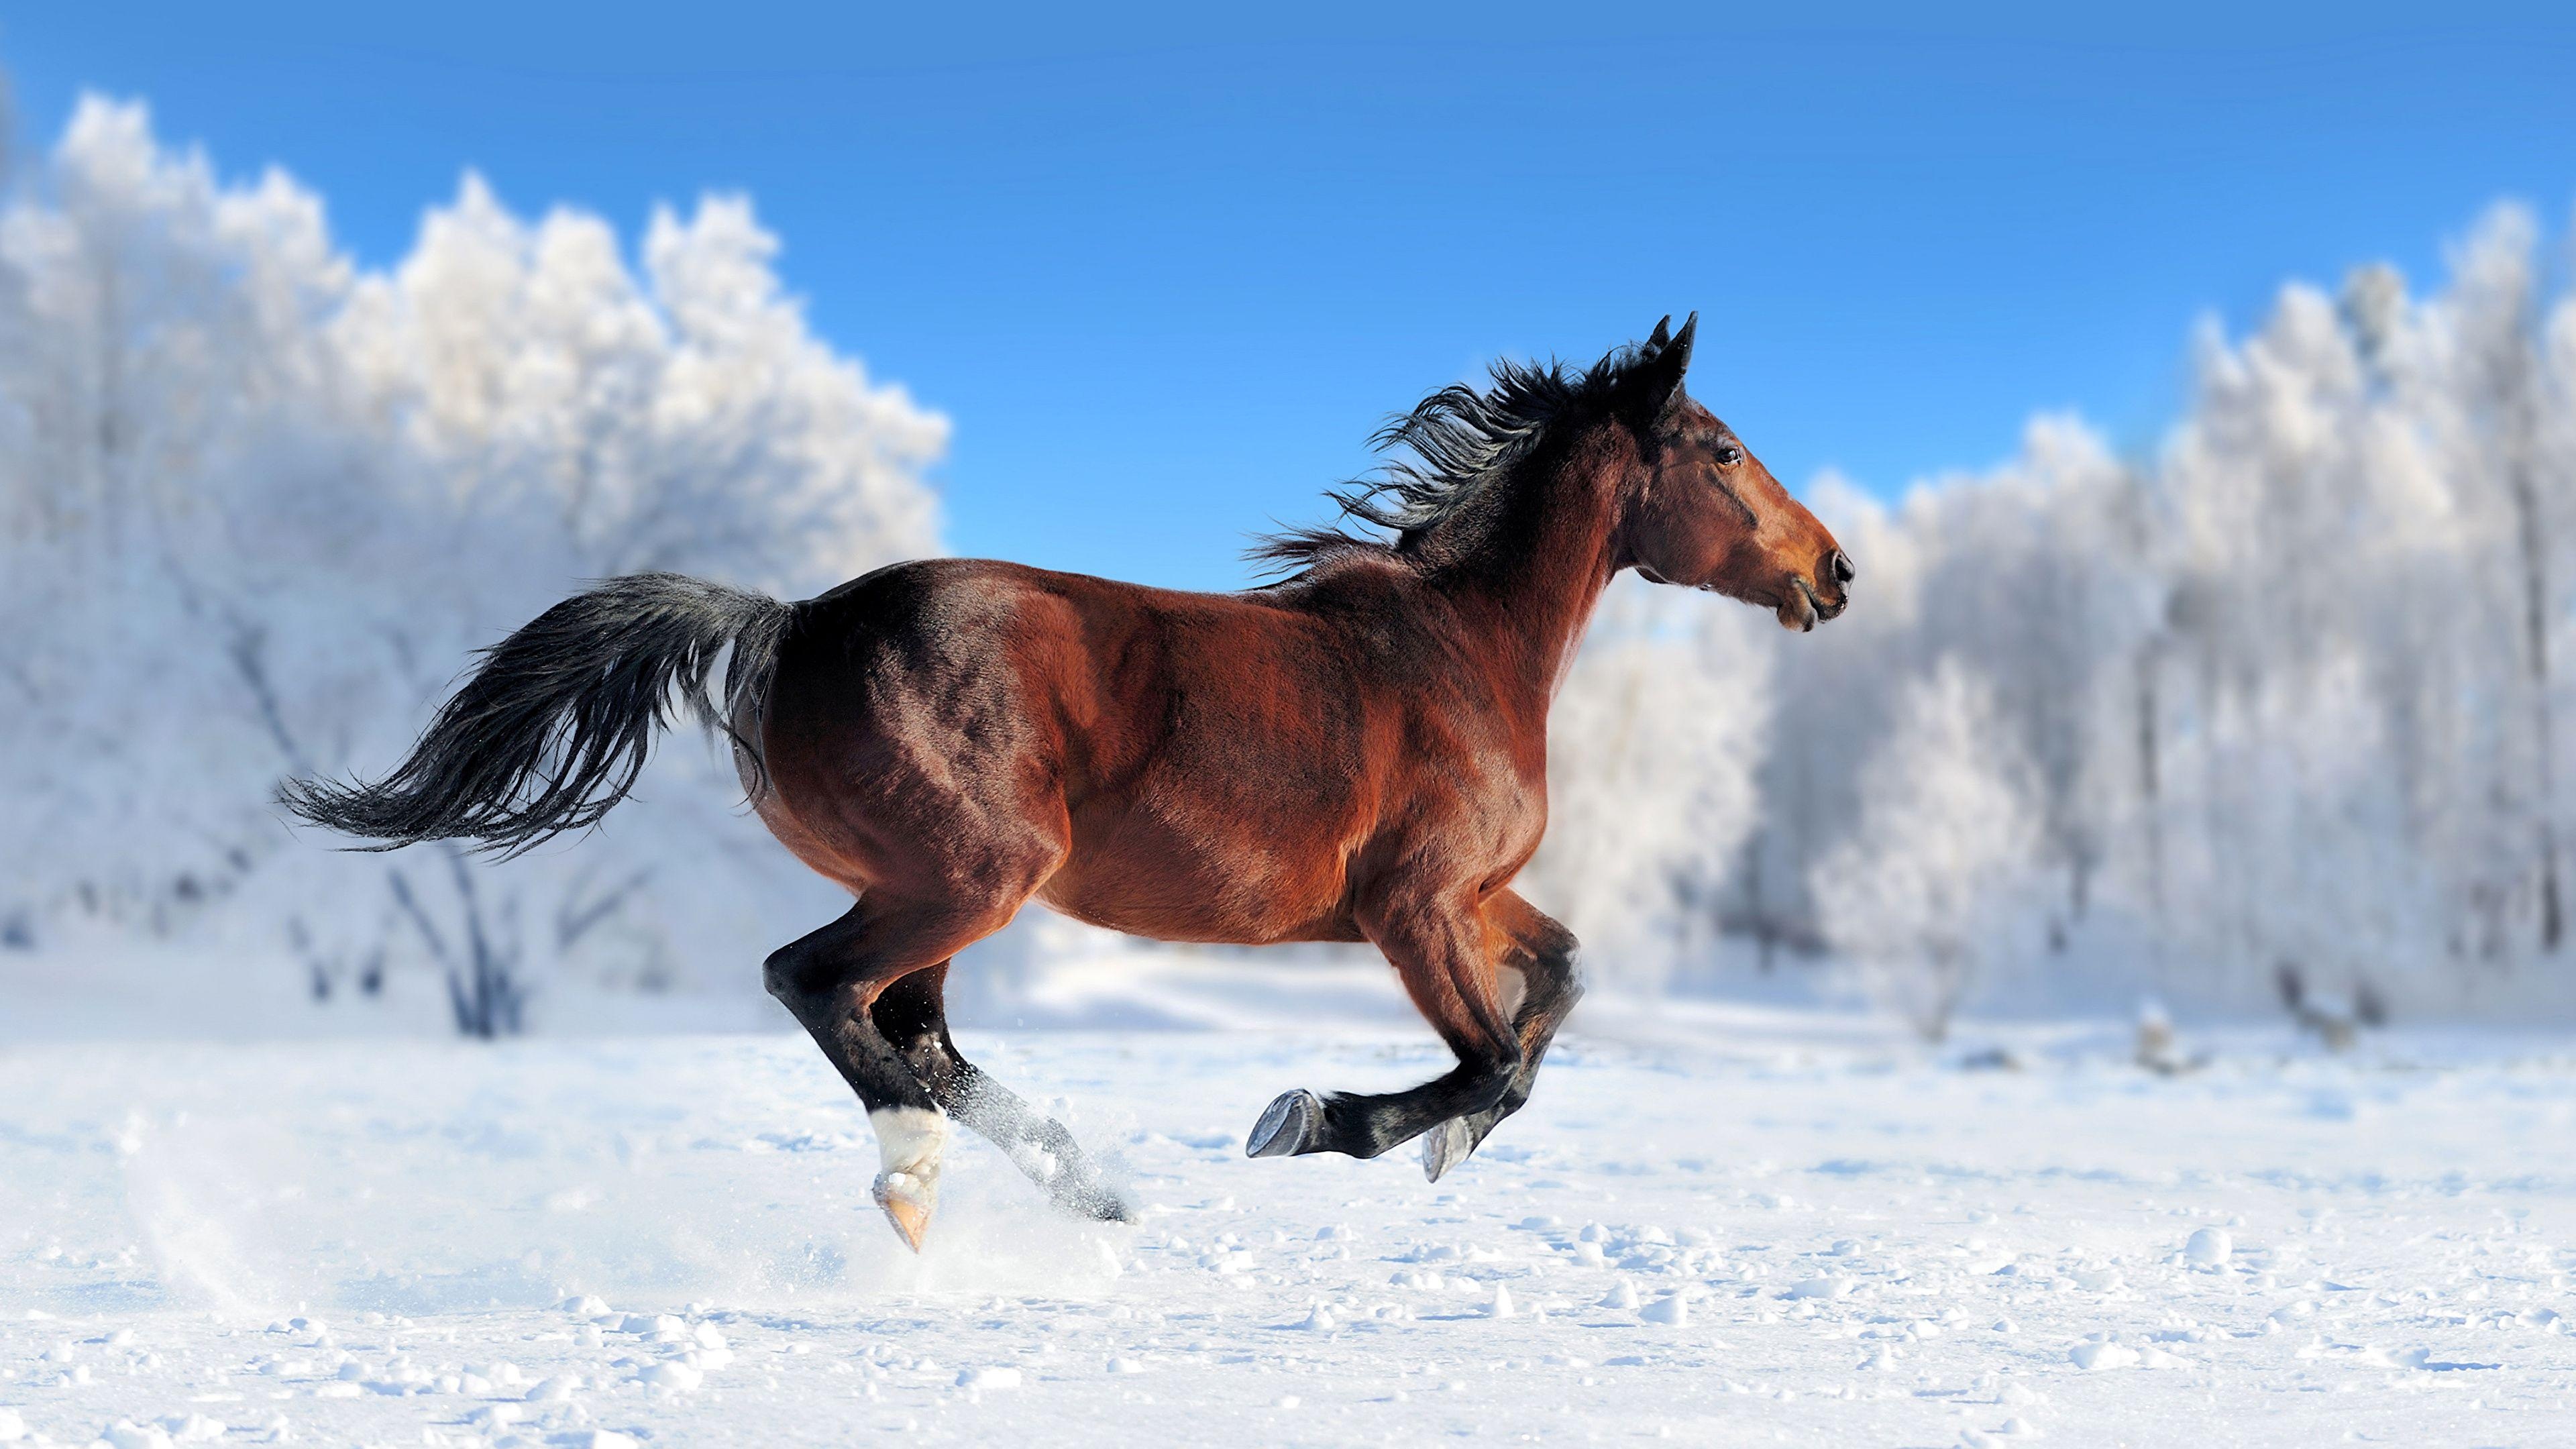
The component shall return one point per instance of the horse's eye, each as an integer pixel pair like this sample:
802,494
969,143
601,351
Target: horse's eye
1728,455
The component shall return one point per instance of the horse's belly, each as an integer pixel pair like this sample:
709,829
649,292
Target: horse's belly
1220,878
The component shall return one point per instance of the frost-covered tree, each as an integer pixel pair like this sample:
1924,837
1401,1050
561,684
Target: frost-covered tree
2290,687
2366,748
1922,896
2031,571
257,503
683,417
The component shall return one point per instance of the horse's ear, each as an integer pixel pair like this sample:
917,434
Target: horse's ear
1662,334
1659,380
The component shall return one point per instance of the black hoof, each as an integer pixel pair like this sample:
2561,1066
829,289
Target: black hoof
1287,1125
1108,1210
1445,1146
1098,1204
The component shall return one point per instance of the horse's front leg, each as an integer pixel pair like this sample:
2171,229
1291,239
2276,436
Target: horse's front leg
1543,952
1444,949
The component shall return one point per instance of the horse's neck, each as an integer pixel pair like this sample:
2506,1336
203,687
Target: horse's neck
1529,584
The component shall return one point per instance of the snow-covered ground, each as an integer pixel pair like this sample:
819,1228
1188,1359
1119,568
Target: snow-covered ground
1717,1225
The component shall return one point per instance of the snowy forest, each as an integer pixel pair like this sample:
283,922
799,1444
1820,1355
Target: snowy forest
2279,695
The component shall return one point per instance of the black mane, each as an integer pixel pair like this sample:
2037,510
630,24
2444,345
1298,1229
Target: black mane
1461,440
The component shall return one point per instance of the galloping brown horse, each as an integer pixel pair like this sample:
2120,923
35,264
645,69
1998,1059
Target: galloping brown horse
1355,753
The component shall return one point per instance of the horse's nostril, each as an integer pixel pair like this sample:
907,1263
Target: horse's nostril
1839,567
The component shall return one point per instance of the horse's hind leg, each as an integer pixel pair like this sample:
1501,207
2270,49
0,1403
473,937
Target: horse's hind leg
831,980
913,1014
1444,954
1543,951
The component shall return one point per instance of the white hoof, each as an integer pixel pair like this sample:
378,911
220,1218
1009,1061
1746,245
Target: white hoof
908,1202
909,1143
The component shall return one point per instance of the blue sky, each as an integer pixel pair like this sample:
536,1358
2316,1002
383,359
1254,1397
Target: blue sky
1167,271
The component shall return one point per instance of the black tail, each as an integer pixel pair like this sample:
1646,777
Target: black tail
552,730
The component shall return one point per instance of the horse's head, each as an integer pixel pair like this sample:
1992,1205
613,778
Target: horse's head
1703,512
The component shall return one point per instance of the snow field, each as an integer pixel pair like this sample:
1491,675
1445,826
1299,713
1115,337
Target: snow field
1760,1240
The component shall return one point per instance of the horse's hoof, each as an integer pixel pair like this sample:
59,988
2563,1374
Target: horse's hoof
1286,1125
1100,1207
908,1201
1445,1146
